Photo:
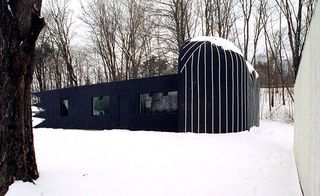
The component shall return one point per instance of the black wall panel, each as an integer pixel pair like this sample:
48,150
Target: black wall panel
218,94
124,111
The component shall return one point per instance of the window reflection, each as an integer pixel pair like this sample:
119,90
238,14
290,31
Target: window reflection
100,105
159,102
64,107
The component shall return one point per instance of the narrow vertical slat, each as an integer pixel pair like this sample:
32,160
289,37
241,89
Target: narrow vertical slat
191,93
185,98
198,90
226,90
205,88
219,84
238,102
245,77
232,88
241,94
212,91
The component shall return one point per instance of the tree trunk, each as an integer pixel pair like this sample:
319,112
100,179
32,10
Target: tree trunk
17,47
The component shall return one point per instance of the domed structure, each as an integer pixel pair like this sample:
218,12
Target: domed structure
218,89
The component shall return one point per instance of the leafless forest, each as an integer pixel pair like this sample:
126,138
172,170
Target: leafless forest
112,40
126,39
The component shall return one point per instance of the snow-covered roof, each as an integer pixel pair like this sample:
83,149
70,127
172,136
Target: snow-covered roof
218,41
251,69
224,44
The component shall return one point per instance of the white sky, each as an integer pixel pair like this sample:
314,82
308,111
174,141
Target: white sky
79,29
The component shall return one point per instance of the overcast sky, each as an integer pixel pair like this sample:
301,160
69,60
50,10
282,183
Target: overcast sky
78,27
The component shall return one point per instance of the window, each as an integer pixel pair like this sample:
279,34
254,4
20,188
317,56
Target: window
159,102
172,101
64,107
35,100
145,103
100,105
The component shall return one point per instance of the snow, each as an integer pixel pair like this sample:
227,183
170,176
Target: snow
280,112
35,109
251,69
218,41
121,163
224,44
9,8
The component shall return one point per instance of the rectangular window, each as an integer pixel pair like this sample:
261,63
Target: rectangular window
145,103
159,102
64,107
100,105
35,100
172,101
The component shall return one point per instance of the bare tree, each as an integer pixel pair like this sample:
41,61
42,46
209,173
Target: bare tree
224,17
135,35
44,55
60,24
280,55
177,21
273,49
103,19
265,12
209,17
258,28
155,66
246,8
120,31
49,73
82,64
296,14
20,27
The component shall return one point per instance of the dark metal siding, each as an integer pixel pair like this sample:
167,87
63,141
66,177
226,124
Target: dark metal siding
218,94
80,109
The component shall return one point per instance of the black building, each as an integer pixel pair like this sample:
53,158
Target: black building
215,91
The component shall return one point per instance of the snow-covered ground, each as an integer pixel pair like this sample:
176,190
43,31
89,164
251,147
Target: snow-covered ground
280,112
140,163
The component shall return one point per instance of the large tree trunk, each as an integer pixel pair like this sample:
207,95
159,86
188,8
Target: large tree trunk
20,27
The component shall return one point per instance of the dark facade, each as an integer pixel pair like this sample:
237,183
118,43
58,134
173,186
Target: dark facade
122,105
213,92
218,92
